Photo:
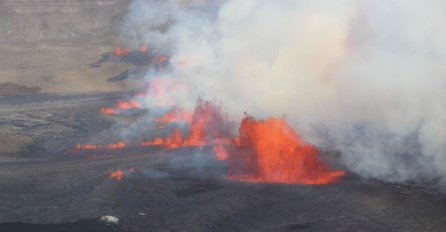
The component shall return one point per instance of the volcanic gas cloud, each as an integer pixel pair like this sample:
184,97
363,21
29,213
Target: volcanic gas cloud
364,78
263,150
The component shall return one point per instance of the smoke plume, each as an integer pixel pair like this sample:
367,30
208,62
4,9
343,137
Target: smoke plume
363,77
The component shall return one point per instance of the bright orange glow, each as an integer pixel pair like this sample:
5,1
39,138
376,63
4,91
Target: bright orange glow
122,51
174,140
208,127
118,145
221,153
117,175
132,104
271,151
87,146
109,111
175,115
155,142
121,105
144,48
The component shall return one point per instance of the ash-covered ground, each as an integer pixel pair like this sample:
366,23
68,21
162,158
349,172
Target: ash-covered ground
50,100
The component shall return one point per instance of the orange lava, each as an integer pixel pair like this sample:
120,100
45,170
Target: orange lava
87,146
176,115
121,105
122,51
271,151
117,175
118,145
132,104
208,127
221,153
109,111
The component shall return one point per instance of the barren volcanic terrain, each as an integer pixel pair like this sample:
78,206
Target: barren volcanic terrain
58,70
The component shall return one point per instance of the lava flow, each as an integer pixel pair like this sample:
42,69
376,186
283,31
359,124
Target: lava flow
113,146
120,51
175,116
117,175
121,105
208,127
271,151
265,151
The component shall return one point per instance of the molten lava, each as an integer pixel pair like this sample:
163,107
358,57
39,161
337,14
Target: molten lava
132,104
87,146
220,152
176,115
121,105
271,151
208,127
118,145
122,51
109,111
117,175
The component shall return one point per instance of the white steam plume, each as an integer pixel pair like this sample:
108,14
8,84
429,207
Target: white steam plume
365,77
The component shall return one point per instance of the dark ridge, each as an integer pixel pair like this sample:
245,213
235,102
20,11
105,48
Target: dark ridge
90,225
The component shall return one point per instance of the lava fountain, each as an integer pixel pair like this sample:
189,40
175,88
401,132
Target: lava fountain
271,151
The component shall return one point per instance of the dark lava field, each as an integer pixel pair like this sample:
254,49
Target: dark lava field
50,100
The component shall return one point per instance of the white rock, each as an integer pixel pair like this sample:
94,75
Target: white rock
109,220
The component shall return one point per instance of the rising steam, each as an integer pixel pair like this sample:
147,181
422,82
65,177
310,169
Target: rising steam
364,77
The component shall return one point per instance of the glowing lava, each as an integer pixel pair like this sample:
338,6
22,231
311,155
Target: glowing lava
271,151
109,111
87,146
117,175
121,105
118,145
266,151
132,104
220,152
122,51
176,115
208,127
